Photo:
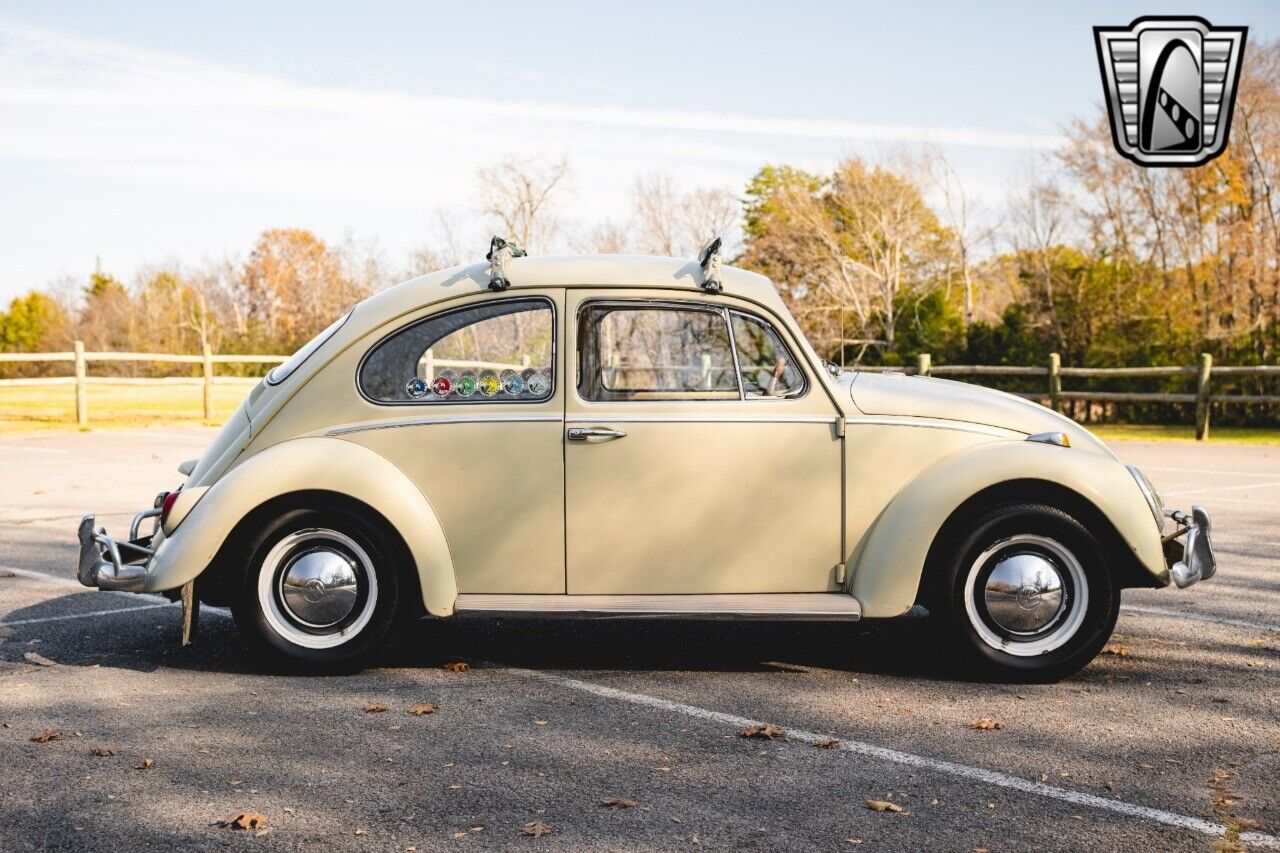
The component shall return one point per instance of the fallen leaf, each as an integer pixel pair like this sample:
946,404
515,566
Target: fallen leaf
766,731
145,764
829,743
539,722
1117,650
459,835
883,806
456,666
38,659
537,829
853,841
360,830
243,820
103,751
46,736
986,724
617,803
425,708
374,707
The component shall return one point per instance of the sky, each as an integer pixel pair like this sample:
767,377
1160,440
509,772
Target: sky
150,133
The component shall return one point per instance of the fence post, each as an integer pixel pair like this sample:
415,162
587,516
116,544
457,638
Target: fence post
82,392
1055,382
923,364
207,355
1202,396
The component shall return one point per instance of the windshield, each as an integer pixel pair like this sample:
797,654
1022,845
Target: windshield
281,372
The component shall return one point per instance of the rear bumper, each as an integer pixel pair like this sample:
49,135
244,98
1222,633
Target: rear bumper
112,564
1191,561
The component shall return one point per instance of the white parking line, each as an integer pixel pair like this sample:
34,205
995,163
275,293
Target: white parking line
963,771
57,450
1208,471
1221,489
90,614
1201,617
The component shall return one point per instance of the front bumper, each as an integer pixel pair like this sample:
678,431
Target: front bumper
1192,561
108,563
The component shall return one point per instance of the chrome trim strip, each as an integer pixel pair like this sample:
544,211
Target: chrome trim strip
408,422
608,417
929,423
814,606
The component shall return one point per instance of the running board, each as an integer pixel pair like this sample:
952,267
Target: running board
764,605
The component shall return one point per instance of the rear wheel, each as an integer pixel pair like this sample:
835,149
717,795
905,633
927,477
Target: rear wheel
320,592
1025,593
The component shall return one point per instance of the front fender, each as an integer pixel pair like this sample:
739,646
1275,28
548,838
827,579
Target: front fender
891,558
301,464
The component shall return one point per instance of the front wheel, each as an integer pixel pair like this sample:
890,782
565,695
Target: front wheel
1025,593
320,592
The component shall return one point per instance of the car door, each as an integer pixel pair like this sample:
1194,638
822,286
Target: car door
471,407
701,455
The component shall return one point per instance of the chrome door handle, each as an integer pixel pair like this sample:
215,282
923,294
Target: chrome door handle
584,433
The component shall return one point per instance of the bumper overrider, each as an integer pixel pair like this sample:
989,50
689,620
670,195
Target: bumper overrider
1190,561
108,563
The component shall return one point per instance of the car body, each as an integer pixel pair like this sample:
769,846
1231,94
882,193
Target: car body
611,436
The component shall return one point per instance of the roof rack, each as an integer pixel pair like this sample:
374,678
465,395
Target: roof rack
501,251
709,260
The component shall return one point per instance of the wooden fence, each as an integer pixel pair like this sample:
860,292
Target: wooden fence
1053,373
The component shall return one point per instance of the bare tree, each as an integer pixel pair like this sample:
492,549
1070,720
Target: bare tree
521,196
1040,214
671,222
966,236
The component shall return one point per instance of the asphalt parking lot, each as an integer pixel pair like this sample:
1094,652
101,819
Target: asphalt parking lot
1170,741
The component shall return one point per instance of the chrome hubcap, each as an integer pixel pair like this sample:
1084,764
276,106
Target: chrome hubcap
317,588
1026,595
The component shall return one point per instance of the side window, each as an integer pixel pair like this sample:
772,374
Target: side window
494,352
767,366
654,353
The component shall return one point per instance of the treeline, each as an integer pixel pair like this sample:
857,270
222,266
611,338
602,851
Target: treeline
1105,262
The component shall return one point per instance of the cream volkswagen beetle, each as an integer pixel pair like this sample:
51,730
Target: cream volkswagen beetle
613,436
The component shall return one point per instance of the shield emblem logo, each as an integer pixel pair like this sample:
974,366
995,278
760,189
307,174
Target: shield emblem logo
1170,85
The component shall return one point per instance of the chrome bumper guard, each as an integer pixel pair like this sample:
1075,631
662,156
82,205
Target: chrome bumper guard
1193,560
108,563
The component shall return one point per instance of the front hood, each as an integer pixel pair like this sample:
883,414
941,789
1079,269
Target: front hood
898,395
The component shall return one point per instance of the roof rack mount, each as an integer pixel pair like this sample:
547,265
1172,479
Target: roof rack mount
709,260
500,252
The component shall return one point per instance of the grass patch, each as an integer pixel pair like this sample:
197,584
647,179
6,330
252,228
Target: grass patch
42,408
1166,432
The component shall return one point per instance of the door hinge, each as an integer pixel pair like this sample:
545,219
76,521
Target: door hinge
840,573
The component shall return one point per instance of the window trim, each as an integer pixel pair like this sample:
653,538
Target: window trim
470,401
725,311
804,376
327,333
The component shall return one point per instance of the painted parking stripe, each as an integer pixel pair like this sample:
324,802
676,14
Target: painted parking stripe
1209,471
1213,489
1201,617
963,771
27,449
89,615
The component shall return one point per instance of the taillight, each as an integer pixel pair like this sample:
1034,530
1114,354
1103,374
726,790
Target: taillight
169,500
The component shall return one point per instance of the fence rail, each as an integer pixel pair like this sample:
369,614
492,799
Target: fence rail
1052,372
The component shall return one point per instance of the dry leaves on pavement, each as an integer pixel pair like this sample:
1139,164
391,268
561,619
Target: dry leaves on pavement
1117,650
374,707
536,829
244,820
765,731
617,803
46,736
425,708
829,743
145,764
103,751
456,666
884,806
986,724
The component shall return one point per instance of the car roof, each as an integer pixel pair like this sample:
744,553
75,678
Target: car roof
596,271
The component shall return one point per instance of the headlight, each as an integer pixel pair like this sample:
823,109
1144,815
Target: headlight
1149,492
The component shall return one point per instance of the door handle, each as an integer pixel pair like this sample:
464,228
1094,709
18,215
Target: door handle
584,433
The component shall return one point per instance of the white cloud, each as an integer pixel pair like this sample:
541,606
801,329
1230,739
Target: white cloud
243,145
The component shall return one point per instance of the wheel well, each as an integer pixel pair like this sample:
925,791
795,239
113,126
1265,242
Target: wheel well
217,584
1129,572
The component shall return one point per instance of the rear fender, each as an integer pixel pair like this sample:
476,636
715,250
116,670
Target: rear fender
304,464
890,561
